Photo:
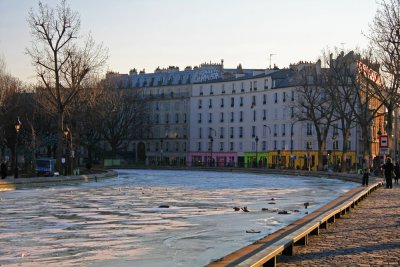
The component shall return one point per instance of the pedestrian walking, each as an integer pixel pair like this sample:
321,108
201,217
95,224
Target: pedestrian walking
365,177
3,170
388,170
397,172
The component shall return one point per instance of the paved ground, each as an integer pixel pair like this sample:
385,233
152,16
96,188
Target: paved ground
367,236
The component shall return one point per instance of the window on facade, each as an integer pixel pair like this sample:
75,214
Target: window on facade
292,98
211,90
232,101
275,129
232,116
264,114
200,103
157,105
221,132
255,85
223,88
240,132
276,97
291,112
184,147
184,132
233,88
209,117
222,102
167,146
284,97
254,115
310,79
221,146
199,146
264,99
275,145
199,116
323,94
221,117
335,145
231,132
241,101
283,145
200,133
291,144
231,146
157,119
308,145
176,146
253,131
335,129
309,129
184,117
242,86
266,84
253,102
264,145
167,118
283,129
240,146
240,115
210,103
176,117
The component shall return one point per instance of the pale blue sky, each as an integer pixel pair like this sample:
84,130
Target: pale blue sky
151,33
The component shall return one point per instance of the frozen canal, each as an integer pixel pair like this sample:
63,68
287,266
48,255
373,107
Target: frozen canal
119,222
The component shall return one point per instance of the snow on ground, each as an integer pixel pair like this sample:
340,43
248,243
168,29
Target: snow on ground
119,222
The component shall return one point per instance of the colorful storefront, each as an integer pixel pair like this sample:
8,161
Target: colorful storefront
215,159
301,160
253,159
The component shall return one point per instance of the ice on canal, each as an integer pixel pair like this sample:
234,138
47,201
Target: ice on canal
151,217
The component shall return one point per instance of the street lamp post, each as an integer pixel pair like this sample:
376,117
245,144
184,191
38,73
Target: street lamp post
256,151
69,152
17,126
211,143
333,151
161,151
269,129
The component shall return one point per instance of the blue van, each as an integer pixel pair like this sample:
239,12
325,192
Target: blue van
45,167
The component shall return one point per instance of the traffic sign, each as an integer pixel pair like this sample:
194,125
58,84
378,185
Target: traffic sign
383,141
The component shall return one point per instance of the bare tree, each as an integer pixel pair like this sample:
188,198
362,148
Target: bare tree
122,114
62,63
313,104
342,75
384,36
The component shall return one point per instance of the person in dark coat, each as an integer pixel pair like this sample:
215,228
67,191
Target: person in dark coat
397,172
389,168
3,170
365,177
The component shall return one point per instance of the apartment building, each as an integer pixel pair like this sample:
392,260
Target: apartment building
214,116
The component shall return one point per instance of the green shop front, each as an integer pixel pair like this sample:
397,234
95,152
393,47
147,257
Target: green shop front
253,159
